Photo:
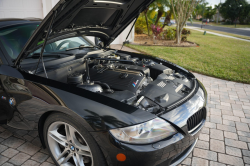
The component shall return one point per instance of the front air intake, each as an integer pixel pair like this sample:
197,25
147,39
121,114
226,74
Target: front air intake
195,120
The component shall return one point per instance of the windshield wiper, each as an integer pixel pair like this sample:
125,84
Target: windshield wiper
80,47
37,55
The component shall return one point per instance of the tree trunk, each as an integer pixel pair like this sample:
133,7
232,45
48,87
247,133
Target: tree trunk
164,24
167,20
146,17
217,18
182,10
178,36
160,13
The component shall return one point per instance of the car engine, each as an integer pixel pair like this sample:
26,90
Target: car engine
140,82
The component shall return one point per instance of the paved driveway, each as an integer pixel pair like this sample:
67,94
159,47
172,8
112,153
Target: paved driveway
225,139
222,29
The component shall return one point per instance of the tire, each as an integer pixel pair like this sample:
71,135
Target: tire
72,148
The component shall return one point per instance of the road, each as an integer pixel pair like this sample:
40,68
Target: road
222,29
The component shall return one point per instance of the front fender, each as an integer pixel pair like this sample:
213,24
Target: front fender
101,112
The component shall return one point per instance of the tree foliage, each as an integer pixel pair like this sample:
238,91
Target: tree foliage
141,24
248,15
182,10
200,8
209,12
157,9
234,10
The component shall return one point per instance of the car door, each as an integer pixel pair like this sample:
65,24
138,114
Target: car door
3,105
18,104
12,92
24,100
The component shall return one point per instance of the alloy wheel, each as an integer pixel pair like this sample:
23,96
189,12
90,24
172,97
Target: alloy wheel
68,146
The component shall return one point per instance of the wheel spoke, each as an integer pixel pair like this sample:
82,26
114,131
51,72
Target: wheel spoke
66,159
70,133
75,150
62,154
58,137
81,147
84,153
77,143
78,160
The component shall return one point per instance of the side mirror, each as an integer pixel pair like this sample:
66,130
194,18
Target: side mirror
98,42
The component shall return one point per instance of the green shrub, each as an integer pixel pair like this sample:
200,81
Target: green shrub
141,25
185,32
138,30
169,34
184,38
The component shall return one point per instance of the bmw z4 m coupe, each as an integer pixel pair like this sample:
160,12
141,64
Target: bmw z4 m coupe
92,105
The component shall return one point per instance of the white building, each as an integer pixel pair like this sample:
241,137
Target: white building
39,9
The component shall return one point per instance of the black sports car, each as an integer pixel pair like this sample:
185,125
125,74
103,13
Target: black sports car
92,105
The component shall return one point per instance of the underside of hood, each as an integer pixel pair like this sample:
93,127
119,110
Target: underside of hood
105,19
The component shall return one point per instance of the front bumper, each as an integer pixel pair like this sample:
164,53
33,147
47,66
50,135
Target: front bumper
170,151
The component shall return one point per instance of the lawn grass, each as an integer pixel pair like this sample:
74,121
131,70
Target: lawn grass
216,56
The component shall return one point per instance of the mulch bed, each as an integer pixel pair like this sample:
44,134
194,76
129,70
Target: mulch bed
146,40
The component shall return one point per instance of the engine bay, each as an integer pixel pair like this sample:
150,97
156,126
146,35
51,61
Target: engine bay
142,83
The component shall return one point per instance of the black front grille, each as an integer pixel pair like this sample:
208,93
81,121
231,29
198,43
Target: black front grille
196,119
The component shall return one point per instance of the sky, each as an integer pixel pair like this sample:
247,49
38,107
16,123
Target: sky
216,2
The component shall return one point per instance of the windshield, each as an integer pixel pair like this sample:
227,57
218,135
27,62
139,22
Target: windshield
64,45
14,38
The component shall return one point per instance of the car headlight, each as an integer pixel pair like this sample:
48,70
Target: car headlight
148,132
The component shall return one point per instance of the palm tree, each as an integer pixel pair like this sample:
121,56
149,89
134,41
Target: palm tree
209,12
159,6
146,18
168,16
217,8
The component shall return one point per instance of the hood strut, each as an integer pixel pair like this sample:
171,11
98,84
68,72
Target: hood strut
44,44
130,31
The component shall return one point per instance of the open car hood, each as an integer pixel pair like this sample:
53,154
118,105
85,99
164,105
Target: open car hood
105,19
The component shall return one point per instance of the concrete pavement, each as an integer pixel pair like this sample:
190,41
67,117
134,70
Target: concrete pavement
217,34
222,29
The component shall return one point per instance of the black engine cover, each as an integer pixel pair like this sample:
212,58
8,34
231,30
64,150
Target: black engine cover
116,81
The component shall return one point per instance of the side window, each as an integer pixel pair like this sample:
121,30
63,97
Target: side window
14,38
